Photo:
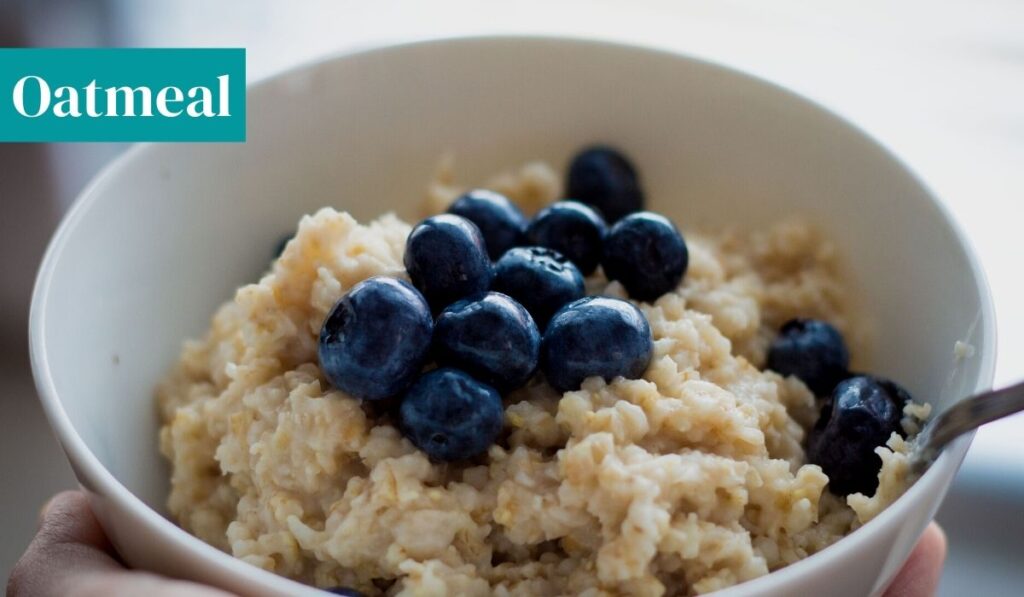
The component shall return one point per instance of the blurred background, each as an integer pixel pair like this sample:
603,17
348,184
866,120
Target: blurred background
941,82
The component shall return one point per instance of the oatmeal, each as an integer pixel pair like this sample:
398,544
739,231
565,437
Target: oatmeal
689,479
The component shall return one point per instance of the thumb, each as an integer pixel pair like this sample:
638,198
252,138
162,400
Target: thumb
71,555
68,519
69,542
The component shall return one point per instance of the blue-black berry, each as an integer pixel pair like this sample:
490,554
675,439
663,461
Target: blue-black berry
491,337
647,254
859,416
446,258
281,244
813,351
595,336
501,222
571,228
601,176
376,338
542,280
451,416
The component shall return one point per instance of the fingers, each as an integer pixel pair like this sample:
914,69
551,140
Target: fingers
67,519
69,543
919,576
71,556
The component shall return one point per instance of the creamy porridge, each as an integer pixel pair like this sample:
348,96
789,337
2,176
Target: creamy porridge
690,479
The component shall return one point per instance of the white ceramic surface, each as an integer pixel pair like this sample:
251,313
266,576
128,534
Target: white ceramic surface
167,232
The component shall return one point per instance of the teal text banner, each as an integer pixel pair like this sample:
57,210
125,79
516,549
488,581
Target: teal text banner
122,94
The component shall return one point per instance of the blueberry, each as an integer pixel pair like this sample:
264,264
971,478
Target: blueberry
489,336
451,416
376,338
899,395
281,244
603,177
344,592
447,259
860,415
813,351
647,254
384,410
571,228
501,222
595,336
542,280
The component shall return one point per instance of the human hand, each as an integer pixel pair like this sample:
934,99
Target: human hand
70,556
919,576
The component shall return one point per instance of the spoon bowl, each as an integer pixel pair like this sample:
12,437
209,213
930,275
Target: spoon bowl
962,418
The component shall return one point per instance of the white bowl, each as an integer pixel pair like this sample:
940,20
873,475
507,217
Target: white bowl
168,231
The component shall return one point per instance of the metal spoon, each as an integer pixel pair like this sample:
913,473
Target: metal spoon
966,415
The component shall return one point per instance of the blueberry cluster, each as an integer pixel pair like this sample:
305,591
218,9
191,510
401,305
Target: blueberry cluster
858,413
495,297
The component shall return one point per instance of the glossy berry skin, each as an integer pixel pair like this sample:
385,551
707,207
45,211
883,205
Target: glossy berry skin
595,336
501,222
647,254
447,259
450,415
859,416
604,178
344,592
813,351
376,338
492,337
540,279
571,228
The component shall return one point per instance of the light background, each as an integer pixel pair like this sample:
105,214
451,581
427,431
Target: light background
940,82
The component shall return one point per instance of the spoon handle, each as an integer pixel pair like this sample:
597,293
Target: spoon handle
964,416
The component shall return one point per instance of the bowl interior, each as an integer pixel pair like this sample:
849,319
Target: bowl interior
171,230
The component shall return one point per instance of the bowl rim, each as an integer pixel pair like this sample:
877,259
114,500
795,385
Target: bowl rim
95,478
